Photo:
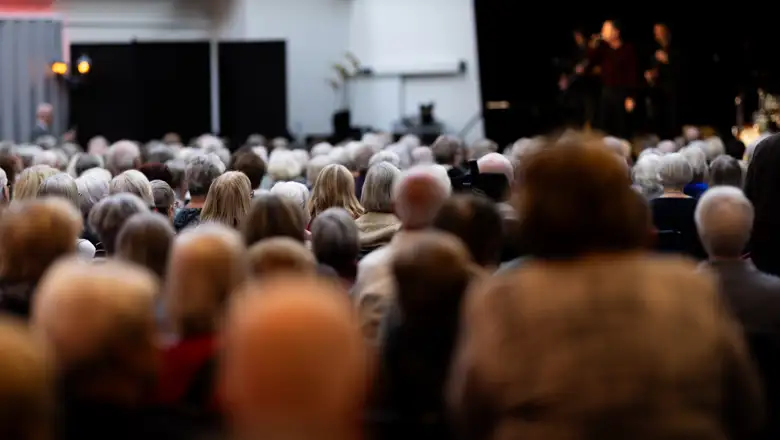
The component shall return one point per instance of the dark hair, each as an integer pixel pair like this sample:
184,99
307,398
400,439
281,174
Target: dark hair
725,170
86,162
273,216
445,149
251,165
477,222
575,198
157,171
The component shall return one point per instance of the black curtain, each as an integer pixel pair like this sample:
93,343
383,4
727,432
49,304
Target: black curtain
253,89
141,91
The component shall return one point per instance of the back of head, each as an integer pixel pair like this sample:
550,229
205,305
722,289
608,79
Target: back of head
273,216
30,180
278,255
725,170
228,200
114,342
156,171
446,149
164,197
724,219
132,182
477,222
250,164
26,384
60,185
206,264
418,194
334,238
295,364
35,233
675,171
122,156
598,211
201,171
334,188
108,215
145,239
432,274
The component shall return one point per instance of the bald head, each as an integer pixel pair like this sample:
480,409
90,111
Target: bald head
495,163
206,264
295,363
419,193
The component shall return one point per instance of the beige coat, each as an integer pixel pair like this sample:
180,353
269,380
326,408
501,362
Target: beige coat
376,229
614,348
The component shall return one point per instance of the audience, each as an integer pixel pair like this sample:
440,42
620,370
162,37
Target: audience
377,290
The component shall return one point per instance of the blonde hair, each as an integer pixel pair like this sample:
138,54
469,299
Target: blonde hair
30,181
228,199
334,188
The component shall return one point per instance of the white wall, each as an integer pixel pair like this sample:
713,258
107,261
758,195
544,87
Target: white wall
318,33
415,32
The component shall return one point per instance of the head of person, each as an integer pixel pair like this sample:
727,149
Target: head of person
418,195
697,158
496,172
145,239
675,172
377,195
598,213
60,185
45,113
610,31
645,175
156,171
200,172
447,150
477,222
92,189
661,33
251,165
315,166
335,241
295,192
206,264
283,166
110,214
334,188
5,193
724,219
34,234
122,156
386,156
228,200
132,182
108,355
164,198
316,383
725,170
26,384
30,180
84,162
273,216
276,255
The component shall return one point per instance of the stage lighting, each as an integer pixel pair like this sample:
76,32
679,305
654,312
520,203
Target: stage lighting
84,65
59,68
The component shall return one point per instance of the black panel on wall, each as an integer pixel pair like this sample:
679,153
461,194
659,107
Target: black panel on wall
141,91
253,89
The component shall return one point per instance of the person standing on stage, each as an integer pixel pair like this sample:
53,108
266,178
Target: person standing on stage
617,62
579,90
663,78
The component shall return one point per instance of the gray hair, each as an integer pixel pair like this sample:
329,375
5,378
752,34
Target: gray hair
334,237
60,185
713,147
377,193
409,210
315,165
133,182
163,195
292,191
3,180
675,171
92,189
481,148
696,156
99,173
283,166
667,146
646,176
122,156
422,155
111,213
82,162
385,156
161,153
51,158
201,171
340,156
321,148
360,154
724,219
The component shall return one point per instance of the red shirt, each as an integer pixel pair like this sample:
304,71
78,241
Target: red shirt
180,364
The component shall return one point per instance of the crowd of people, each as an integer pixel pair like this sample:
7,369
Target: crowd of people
567,287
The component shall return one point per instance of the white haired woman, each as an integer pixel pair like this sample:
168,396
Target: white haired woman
283,166
673,211
378,225
696,155
645,175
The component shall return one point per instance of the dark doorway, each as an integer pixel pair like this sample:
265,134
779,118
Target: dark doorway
253,89
141,91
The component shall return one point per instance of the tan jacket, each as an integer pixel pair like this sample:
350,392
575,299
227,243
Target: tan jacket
612,348
376,229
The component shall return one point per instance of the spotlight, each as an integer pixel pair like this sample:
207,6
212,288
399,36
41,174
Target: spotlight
84,65
59,68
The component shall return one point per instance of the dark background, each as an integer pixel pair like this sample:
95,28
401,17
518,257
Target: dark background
725,52
142,91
